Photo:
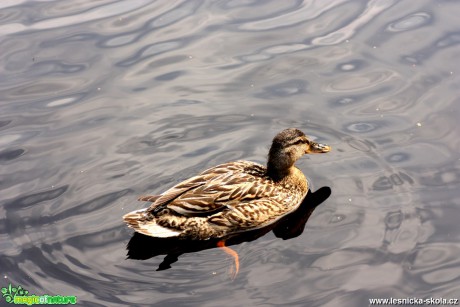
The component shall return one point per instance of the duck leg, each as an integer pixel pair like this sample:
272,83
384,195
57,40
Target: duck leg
235,256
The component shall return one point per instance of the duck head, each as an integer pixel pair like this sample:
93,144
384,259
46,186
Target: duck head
287,147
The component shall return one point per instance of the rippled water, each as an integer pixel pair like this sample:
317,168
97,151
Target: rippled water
102,101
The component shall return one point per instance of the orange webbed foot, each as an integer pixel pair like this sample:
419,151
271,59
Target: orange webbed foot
234,271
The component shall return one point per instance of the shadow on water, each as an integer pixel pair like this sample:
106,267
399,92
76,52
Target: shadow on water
142,247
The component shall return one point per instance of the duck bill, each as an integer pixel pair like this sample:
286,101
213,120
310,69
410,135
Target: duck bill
318,148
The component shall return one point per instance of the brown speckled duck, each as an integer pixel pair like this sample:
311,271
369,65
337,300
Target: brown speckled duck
232,197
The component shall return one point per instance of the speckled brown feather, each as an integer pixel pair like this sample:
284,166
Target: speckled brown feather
230,197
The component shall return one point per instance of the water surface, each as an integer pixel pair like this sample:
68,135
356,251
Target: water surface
103,101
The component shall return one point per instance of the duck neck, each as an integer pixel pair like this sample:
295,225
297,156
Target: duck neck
279,165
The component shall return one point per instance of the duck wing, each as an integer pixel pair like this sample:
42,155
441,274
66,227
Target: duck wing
215,189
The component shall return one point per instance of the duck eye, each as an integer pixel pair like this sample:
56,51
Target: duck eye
298,142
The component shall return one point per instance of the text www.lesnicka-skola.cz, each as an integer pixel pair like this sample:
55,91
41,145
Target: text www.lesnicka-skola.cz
414,301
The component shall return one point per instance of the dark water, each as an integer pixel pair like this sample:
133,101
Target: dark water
102,101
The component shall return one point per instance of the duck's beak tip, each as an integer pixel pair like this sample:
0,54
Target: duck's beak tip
319,148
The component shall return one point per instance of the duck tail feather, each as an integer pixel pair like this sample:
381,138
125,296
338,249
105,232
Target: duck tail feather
136,220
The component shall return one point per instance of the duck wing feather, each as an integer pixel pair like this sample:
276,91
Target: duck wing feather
215,189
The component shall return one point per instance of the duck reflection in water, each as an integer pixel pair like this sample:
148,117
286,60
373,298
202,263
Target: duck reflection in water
142,247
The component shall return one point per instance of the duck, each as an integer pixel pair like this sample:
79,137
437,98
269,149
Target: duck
232,197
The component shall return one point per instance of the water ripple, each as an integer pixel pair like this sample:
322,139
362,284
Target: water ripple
11,154
155,49
409,22
94,13
359,82
308,10
373,9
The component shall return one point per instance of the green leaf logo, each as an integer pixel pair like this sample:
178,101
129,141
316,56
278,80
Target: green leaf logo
10,292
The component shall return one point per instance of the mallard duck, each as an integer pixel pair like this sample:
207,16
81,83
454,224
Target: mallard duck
232,197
